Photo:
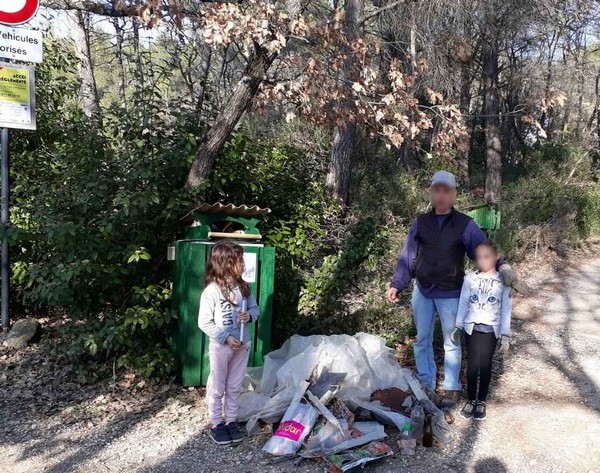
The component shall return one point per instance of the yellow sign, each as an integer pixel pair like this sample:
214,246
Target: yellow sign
17,101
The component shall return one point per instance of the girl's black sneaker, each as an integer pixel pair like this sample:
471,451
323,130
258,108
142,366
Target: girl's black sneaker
220,434
234,432
468,409
479,413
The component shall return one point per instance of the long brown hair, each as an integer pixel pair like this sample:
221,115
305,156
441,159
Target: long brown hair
223,261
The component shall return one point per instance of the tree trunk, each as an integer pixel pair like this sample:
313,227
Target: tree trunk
406,149
597,110
340,164
402,45
139,66
465,108
344,139
491,113
88,90
119,41
465,89
239,101
205,63
546,117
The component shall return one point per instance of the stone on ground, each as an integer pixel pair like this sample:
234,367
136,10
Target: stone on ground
22,333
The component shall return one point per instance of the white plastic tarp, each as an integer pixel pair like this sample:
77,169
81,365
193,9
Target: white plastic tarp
369,365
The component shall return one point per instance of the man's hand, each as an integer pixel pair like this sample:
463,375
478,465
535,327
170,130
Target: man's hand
392,295
456,334
508,275
244,317
504,344
233,343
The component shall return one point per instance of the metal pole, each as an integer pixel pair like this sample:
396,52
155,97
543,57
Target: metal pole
5,222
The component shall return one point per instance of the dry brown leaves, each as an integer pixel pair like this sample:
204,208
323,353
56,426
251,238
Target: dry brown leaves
39,382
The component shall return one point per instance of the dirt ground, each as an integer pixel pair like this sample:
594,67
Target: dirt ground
543,415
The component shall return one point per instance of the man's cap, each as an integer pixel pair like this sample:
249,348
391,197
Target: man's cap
444,177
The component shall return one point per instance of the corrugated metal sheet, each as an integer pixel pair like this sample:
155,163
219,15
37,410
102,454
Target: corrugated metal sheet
248,211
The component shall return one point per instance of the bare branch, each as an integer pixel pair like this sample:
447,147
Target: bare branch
379,11
121,10
98,8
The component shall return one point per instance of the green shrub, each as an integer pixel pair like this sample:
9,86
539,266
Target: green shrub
323,290
589,212
290,182
556,159
96,202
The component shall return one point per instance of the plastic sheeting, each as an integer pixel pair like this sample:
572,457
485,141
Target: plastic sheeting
367,362
269,409
380,411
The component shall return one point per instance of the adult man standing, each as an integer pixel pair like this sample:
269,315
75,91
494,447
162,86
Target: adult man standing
434,254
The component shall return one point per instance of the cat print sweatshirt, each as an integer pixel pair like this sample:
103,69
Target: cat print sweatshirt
218,318
484,299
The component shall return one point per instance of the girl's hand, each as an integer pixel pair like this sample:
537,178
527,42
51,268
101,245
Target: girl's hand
233,343
508,275
456,334
504,344
244,317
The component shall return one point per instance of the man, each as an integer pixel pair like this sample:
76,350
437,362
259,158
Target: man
434,254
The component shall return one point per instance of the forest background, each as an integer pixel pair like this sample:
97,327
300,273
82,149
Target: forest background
332,114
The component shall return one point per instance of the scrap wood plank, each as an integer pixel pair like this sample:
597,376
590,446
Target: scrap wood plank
323,410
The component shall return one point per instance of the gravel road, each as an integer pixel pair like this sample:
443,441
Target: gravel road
543,416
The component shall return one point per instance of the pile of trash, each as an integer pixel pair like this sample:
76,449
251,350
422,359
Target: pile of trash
331,397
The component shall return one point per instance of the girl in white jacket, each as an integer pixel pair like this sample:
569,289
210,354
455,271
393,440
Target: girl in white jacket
484,314
225,304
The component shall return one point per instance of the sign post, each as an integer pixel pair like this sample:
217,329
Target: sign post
5,223
17,110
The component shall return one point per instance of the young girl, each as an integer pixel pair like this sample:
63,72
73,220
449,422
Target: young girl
484,314
221,314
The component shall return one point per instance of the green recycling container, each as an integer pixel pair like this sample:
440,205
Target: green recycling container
487,216
210,223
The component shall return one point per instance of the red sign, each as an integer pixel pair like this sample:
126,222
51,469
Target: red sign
16,12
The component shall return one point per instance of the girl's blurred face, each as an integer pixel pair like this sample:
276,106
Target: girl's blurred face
485,258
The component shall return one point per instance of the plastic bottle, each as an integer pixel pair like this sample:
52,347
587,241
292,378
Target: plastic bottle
243,308
407,441
417,419
427,433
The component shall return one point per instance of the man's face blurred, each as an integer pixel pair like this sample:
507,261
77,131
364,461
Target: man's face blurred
442,197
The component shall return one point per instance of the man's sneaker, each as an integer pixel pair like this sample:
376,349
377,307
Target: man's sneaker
468,410
479,413
220,434
450,399
234,432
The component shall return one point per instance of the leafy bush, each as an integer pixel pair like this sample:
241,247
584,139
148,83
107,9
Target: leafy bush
589,212
555,158
549,186
289,182
324,288
97,201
